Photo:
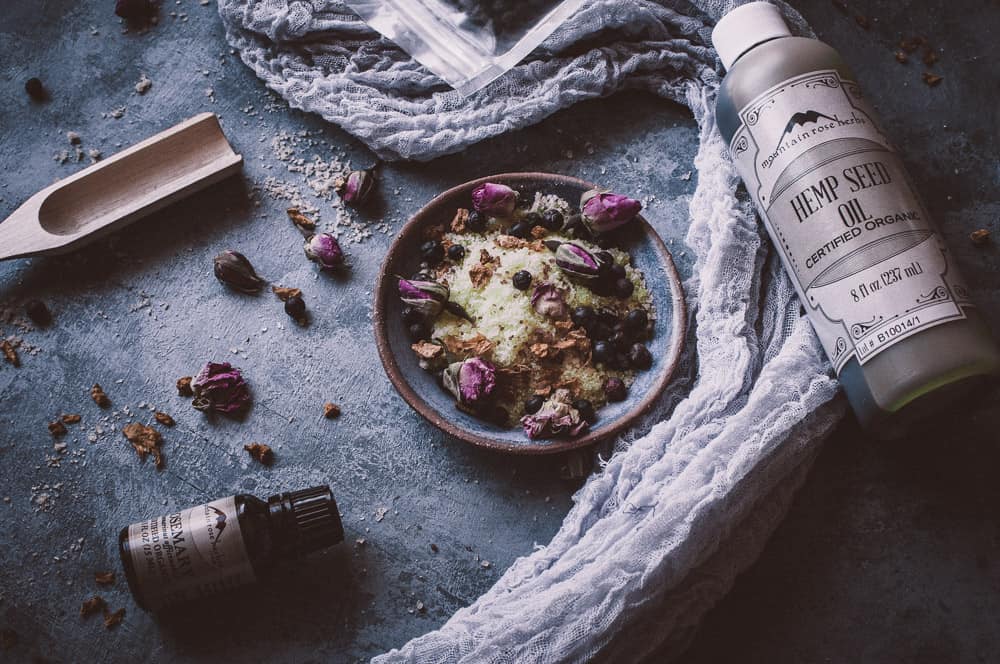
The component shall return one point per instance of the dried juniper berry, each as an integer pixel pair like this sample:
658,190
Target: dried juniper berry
522,280
520,230
586,409
582,316
602,352
532,219
552,220
476,221
411,316
38,312
456,252
636,320
33,86
418,331
624,288
639,357
615,390
533,405
432,252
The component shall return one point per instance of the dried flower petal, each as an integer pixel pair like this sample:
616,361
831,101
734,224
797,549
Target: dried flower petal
301,221
70,419
145,440
164,419
980,237
184,386
285,294
331,411
104,578
220,387
931,79
556,417
233,269
427,350
324,249
9,352
99,397
113,619
496,200
92,606
261,453
604,211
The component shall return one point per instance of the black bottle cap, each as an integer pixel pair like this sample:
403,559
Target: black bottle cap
309,519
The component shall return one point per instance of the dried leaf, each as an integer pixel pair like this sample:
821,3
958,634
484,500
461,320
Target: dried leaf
543,351
104,578
164,419
331,411
92,606
931,79
184,387
145,440
458,223
9,352
980,237
70,419
301,220
478,346
285,294
99,397
930,57
427,350
261,453
113,619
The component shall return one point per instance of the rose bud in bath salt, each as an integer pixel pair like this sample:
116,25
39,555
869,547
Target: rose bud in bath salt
576,261
233,269
496,200
324,249
357,187
548,301
220,387
605,211
556,417
471,381
427,297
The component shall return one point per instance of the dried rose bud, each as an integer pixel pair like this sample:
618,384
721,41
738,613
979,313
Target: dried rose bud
471,381
496,200
549,301
357,187
556,417
427,297
325,250
233,269
604,211
219,386
576,261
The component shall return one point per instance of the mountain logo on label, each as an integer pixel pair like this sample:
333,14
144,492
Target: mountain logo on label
801,119
220,521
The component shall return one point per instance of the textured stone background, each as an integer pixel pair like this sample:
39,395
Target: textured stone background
890,550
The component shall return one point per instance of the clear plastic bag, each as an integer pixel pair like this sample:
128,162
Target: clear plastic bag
468,43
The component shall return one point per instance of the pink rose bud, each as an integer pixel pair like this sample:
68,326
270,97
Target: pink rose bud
604,211
325,250
496,200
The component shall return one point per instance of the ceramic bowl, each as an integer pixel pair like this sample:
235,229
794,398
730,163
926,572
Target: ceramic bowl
420,388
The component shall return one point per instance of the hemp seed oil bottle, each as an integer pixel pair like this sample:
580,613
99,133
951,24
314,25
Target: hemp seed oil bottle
879,286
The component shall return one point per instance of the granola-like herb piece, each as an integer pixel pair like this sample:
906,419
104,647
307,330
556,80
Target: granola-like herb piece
92,606
285,294
145,440
104,578
113,619
478,345
262,453
458,223
538,232
931,79
164,419
57,428
331,411
980,237
301,221
9,352
509,242
70,419
99,397
184,386
480,274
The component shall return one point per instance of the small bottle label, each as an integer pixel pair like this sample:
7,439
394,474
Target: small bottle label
191,554
853,235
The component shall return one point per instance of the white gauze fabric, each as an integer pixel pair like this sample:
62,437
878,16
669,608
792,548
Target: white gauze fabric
658,535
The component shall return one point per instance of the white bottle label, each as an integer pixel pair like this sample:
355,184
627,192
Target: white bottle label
191,554
859,246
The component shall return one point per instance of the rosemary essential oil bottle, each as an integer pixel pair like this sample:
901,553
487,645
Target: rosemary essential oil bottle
872,271
224,544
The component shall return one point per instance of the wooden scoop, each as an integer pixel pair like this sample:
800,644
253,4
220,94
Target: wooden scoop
120,189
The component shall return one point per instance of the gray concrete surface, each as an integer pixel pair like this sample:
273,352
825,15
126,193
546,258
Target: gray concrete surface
888,554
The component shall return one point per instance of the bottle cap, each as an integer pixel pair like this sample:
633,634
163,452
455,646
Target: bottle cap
309,520
745,27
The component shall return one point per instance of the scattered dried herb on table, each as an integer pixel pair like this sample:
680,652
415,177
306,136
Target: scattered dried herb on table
331,411
104,578
262,453
164,419
113,619
184,386
145,440
92,606
70,419
57,428
980,237
9,352
99,397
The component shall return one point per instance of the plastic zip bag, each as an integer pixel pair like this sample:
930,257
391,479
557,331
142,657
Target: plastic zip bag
468,43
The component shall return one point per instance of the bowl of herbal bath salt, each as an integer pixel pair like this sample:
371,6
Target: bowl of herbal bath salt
529,313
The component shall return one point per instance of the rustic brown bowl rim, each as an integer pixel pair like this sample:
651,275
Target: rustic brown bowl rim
384,289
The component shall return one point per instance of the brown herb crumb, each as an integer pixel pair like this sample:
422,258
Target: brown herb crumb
113,619
104,578
930,56
285,294
184,386
10,352
8,639
57,428
862,21
92,606
164,419
145,440
931,79
99,397
980,237
901,57
458,223
434,547
70,419
300,220
331,411
261,453
538,232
